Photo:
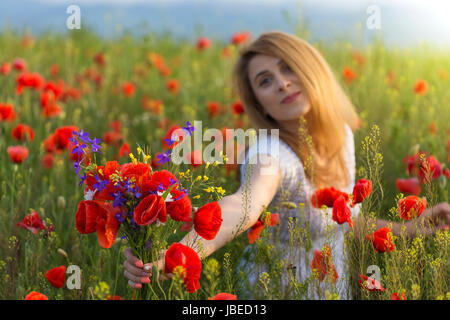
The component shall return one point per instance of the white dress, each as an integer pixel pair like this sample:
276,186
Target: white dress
323,229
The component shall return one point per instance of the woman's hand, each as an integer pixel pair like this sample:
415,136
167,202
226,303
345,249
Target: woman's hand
435,218
439,215
137,273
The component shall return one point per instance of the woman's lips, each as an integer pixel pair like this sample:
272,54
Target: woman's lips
291,97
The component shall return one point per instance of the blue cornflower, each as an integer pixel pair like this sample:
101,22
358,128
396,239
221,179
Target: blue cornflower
76,166
160,187
101,184
172,181
94,145
164,157
79,149
73,141
119,200
189,128
118,217
83,177
169,141
137,194
84,136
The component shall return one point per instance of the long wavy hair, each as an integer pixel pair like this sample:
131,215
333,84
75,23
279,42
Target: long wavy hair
330,108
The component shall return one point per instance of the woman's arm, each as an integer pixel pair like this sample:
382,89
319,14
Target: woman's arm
261,190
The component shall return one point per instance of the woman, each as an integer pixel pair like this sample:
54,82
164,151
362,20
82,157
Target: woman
280,79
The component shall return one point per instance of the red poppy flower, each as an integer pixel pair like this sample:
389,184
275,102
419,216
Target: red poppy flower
7,112
17,154
181,209
361,190
149,209
50,144
390,77
107,225
411,186
173,85
116,125
116,297
54,70
240,37
382,240
369,283
358,57
226,52
203,43
113,138
237,108
93,215
138,172
420,87
33,295
19,64
5,68
124,150
422,166
154,106
395,296
341,212
22,132
187,259
323,264
56,88
432,128
349,75
207,220
31,80
165,71
62,135
223,296
99,59
165,178
86,216
156,59
56,276
411,207
327,197
32,222
51,110
104,173
47,161
256,229
446,172
128,89
213,109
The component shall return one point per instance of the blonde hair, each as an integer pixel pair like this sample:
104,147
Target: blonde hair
330,106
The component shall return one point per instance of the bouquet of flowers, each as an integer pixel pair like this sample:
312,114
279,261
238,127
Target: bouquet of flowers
148,207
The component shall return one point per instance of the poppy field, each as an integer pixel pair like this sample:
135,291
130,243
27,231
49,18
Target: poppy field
85,169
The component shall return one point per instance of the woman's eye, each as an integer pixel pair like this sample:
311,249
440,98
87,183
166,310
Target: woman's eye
287,68
263,81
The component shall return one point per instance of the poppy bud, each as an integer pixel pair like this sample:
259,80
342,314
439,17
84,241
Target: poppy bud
61,202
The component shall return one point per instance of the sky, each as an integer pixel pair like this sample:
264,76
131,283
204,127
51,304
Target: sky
402,21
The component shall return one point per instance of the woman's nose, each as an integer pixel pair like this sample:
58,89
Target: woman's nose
283,84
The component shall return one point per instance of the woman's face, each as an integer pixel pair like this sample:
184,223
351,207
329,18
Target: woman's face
277,88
